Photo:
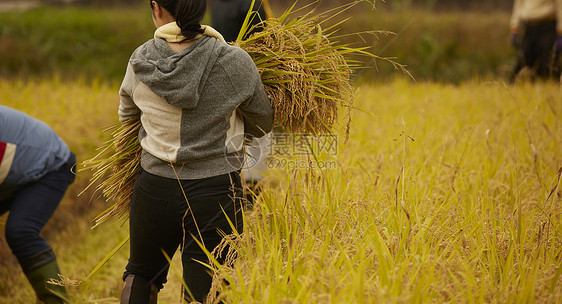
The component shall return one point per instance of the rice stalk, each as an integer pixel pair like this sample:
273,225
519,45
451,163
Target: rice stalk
115,168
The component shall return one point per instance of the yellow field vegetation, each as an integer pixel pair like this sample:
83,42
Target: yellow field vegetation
442,193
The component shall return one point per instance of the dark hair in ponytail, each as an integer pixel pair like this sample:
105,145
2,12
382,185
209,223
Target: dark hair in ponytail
188,15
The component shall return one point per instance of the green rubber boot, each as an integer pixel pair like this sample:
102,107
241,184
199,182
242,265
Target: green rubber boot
39,270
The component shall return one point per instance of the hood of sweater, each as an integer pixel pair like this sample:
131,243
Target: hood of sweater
178,77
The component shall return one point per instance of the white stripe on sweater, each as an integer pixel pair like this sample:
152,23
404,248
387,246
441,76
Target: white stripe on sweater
6,161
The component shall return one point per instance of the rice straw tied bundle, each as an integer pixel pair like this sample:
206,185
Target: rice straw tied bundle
115,168
305,71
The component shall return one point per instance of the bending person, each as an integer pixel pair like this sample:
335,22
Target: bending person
35,172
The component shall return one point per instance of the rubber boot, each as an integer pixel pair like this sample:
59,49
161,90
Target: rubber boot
139,290
39,270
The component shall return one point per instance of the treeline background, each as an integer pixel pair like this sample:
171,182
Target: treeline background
427,4
438,40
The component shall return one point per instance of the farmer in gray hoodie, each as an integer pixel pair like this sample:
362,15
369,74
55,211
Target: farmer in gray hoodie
198,98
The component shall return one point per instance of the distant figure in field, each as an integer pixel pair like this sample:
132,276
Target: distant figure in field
35,171
228,16
537,35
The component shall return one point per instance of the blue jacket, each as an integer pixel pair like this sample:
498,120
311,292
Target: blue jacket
29,149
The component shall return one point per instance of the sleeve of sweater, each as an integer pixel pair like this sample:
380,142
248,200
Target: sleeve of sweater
255,109
257,112
127,108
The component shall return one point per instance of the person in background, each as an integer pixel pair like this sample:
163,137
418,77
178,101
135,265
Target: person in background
196,97
35,172
228,16
536,32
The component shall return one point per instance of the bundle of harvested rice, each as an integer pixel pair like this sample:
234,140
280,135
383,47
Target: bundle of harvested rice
303,68
115,168
305,71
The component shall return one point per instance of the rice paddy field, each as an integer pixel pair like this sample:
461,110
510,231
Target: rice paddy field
443,190
442,193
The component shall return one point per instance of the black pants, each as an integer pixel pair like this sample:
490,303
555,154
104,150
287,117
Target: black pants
537,50
161,219
30,208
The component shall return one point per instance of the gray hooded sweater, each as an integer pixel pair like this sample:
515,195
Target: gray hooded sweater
196,106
